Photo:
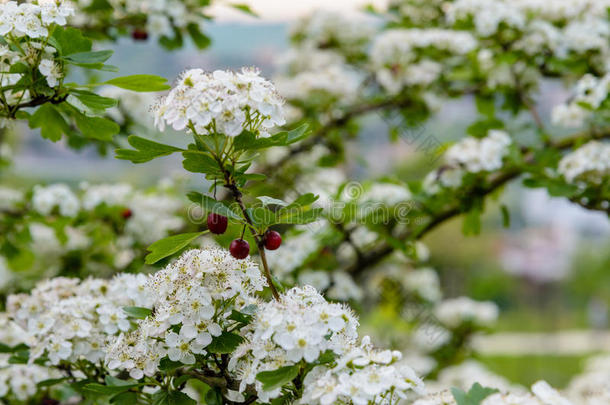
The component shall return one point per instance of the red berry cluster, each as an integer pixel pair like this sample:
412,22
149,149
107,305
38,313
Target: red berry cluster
239,248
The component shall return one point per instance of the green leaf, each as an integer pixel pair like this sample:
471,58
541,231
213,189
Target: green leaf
240,317
200,162
172,398
89,57
140,83
266,200
94,102
472,222
145,150
298,216
137,312
505,216
304,200
245,9
69,41
248,141
213,397
107,390
277,378
51,381
180,398
211,205
99,128
486,105
170,245
200,39
474,396
50,121
227,342
167,365
110,380
125,398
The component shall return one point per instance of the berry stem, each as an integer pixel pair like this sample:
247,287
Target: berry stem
237,195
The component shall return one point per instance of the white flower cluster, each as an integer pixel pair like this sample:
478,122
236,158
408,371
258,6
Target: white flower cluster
69,319
309,73
222,102
470,155
477,155
293,252
361,376
338,285
422,282
592,387
18,381
46,198
338,82
397,61
388,194
10,198
145,217
562,27
418,12
325,29
589,94
456,311
32,21
302,325
161,15
589,163
151,215
192,299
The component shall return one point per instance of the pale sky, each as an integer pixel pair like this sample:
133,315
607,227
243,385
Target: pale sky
282,10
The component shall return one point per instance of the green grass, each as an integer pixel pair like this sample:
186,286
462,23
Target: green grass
526,370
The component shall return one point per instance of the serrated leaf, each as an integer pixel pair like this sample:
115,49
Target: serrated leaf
266,200
295,216
89,57
277,378
227,342
145,150
140,83
474,396
211,205
102,389
245,9
94,102
50,121
166,365
99,128
200,162
125,398
68,41
199,38
51,381
137,312
248,141
170,245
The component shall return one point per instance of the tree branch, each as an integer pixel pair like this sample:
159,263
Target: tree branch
498,180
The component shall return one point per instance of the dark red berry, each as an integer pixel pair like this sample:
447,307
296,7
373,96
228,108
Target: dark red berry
217,223
127,213
240,249
139,35
273,240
